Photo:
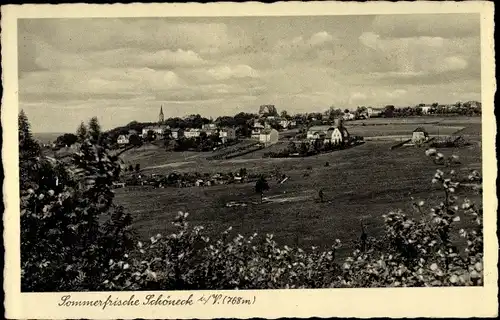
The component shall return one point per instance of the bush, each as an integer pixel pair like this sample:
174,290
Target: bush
74,239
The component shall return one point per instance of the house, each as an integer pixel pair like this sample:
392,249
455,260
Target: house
318,132
209,126
123,139
257,124
177,133
348,116
192,133
256,133
336,134
257,129
269,136
426,109
419,135
227,134
268,110
374,112
158,130
287,124
474,104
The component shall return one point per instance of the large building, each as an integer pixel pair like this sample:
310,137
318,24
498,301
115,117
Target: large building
267,110
269,136
336,134
227,134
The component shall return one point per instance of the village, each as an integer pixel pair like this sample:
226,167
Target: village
211,168
279,136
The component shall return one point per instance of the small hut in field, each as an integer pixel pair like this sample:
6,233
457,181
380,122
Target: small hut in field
419,135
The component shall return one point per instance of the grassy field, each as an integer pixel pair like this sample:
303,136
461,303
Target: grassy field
360,183
401,130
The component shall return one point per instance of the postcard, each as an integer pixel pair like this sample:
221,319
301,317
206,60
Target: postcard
249,160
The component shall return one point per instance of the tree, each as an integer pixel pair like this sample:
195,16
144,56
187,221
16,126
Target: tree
291,147
389,111
66,203
284,114
130,168
151,136
346,111
167,134
134,140
137,167
29,153
82,132
94,129
67,139
361,112
28,147
260,186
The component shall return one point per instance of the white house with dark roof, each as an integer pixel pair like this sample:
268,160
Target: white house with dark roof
269,136
336,134
177,133
123,139
374,112
192,133
227,134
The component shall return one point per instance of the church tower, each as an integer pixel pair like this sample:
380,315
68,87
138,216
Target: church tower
161,117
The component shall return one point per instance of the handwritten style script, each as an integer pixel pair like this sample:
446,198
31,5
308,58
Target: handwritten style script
156,300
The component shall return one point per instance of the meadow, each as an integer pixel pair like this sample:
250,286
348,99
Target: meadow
361,183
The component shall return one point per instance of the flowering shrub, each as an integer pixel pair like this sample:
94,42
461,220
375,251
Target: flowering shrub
73,238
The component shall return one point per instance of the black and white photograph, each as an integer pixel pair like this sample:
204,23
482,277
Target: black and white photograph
186,153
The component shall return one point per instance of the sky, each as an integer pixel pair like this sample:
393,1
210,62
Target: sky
124,69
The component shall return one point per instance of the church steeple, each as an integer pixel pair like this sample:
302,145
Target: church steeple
161,117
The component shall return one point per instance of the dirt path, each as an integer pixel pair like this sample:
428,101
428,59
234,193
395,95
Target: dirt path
170,165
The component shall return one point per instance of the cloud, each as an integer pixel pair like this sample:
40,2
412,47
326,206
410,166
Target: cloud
357,97
300,48
427,25
96,34
49,58
227,72
220,65
106,82
422,56
452,64
320,38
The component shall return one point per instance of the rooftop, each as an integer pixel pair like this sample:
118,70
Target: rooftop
321,128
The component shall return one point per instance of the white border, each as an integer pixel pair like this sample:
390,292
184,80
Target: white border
363,303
